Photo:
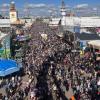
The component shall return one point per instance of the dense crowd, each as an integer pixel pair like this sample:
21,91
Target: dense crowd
51,66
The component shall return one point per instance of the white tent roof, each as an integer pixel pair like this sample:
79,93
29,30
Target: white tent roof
4,22
95,43
81,21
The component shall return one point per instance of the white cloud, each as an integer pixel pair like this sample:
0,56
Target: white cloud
49,11
5,5
95,9
36,5
40,9
81,6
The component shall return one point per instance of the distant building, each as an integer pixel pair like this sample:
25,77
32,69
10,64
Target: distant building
28,21
54,22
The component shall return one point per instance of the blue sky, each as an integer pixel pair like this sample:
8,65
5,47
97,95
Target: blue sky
43,7
56,2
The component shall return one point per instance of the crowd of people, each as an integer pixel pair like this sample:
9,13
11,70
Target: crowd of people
51,66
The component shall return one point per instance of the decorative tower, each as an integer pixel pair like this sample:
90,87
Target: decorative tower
63,8
63,13
13,13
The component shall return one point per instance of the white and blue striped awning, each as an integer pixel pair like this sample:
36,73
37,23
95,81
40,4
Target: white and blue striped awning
8,67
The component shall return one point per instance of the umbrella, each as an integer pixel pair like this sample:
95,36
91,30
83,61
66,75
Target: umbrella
8,67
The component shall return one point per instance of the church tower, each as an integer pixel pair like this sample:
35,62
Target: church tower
63,8
13,13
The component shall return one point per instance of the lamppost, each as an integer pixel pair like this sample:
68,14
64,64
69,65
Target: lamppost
5,52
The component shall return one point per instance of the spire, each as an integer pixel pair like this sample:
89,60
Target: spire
12,6
63,4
